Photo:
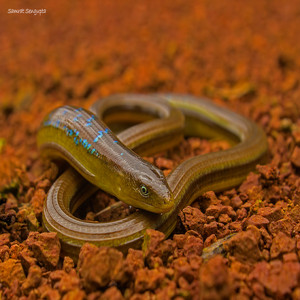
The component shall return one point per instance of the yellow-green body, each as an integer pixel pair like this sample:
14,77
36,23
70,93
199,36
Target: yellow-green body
214,171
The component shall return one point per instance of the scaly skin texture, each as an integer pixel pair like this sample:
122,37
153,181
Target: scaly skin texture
100,157
215,171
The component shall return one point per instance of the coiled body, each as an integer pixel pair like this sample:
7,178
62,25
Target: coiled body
214,171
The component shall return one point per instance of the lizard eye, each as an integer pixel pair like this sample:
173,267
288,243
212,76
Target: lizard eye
144,191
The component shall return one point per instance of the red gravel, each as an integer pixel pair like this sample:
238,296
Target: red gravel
245,56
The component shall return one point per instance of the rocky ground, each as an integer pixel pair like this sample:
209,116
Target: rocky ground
243,56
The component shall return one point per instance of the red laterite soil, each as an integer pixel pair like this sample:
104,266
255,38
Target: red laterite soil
243,55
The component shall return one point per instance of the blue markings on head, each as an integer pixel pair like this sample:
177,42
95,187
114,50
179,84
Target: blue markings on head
76,140
69,132
57,123
75,134
100,134
76,118
79,141
54,123
90,120
84,143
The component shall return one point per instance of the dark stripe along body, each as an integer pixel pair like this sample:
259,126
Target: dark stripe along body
214,171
